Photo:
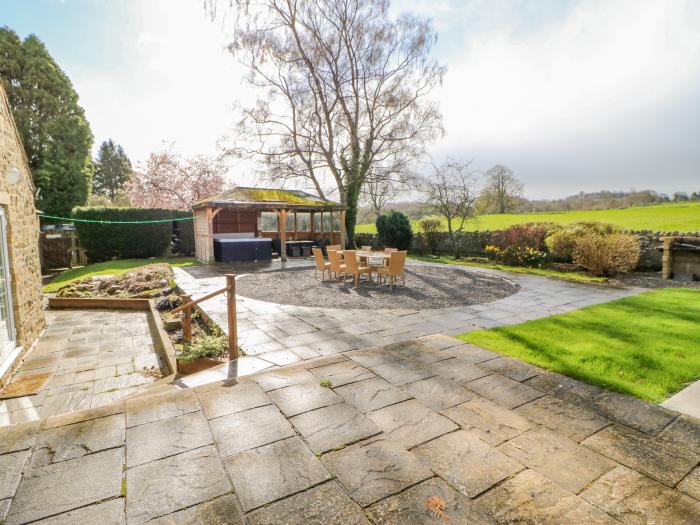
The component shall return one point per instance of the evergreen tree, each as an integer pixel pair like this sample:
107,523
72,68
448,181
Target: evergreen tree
52,125
112,170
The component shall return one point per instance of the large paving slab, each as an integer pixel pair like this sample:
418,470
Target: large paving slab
530,498
270,472
664,462
371,394
488,421
167,485
320,505
411,506
630,497
467,463
411,423
220,511
72,441
167,437
362,450
67,485
372,470
573,421
249,429
334,426
556,457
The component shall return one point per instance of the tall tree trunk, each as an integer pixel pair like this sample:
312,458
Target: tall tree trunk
453,242
352,196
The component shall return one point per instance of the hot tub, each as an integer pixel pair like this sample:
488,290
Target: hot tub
236,250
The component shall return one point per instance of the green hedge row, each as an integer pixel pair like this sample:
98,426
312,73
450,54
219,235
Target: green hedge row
126,241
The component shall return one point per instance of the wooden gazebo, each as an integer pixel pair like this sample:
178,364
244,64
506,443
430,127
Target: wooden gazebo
264,213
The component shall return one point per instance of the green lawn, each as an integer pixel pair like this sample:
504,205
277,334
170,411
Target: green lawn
683,217
112,268
647,345
568,276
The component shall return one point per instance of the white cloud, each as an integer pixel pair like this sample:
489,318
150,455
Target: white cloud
605,60
572,96
177,83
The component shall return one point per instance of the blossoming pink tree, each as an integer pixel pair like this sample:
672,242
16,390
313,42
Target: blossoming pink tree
169,180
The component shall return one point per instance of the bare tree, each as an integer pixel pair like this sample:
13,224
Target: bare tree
502,190
451,192
382,187
343,91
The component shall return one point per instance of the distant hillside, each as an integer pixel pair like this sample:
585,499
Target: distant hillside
682,217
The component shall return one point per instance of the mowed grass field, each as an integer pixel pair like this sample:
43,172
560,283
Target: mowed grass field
681,217
645,345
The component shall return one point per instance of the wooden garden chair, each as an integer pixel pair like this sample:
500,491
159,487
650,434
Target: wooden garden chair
321,264
364,260
397,262
352,267
389,250
335,248
336,266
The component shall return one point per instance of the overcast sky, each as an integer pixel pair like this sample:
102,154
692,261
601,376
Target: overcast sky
572,95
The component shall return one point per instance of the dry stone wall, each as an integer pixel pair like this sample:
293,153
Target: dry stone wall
474,244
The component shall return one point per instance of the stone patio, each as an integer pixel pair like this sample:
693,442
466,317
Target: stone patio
279,334
503,444
90,358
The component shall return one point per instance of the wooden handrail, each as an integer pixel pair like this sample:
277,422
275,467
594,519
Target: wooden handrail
186,310
201,299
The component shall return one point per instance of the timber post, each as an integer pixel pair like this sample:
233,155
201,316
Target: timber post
186,319
231,314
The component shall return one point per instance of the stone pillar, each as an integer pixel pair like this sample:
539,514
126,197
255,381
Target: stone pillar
667,261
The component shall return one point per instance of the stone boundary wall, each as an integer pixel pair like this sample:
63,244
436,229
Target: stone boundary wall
474,244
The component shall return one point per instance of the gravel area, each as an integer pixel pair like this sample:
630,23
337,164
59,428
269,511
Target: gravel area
426,287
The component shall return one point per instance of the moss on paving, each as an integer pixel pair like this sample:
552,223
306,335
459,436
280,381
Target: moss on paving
112,268
647,345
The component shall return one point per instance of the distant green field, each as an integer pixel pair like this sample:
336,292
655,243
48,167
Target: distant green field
682,217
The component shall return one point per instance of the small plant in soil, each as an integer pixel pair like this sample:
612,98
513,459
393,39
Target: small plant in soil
208,342
326,383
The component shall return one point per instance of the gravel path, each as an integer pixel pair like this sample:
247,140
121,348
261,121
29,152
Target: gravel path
426,287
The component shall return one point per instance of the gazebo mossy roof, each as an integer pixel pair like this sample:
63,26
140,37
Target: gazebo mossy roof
268,198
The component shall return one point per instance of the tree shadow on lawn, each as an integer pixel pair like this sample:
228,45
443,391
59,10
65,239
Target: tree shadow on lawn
630,355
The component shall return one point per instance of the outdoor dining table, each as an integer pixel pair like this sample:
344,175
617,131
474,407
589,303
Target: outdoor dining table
368,256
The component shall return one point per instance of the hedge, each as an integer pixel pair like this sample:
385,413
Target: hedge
184,234
126,241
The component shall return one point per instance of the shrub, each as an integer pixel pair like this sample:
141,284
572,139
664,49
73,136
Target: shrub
367,239
606,254
183,231
103,241
394,230
431,233
520,245
204,345
561,242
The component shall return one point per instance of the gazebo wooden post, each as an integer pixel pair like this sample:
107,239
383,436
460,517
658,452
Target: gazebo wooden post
186,319
231,314
296,228
282,226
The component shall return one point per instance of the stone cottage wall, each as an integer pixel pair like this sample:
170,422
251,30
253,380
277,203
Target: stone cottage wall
23,231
